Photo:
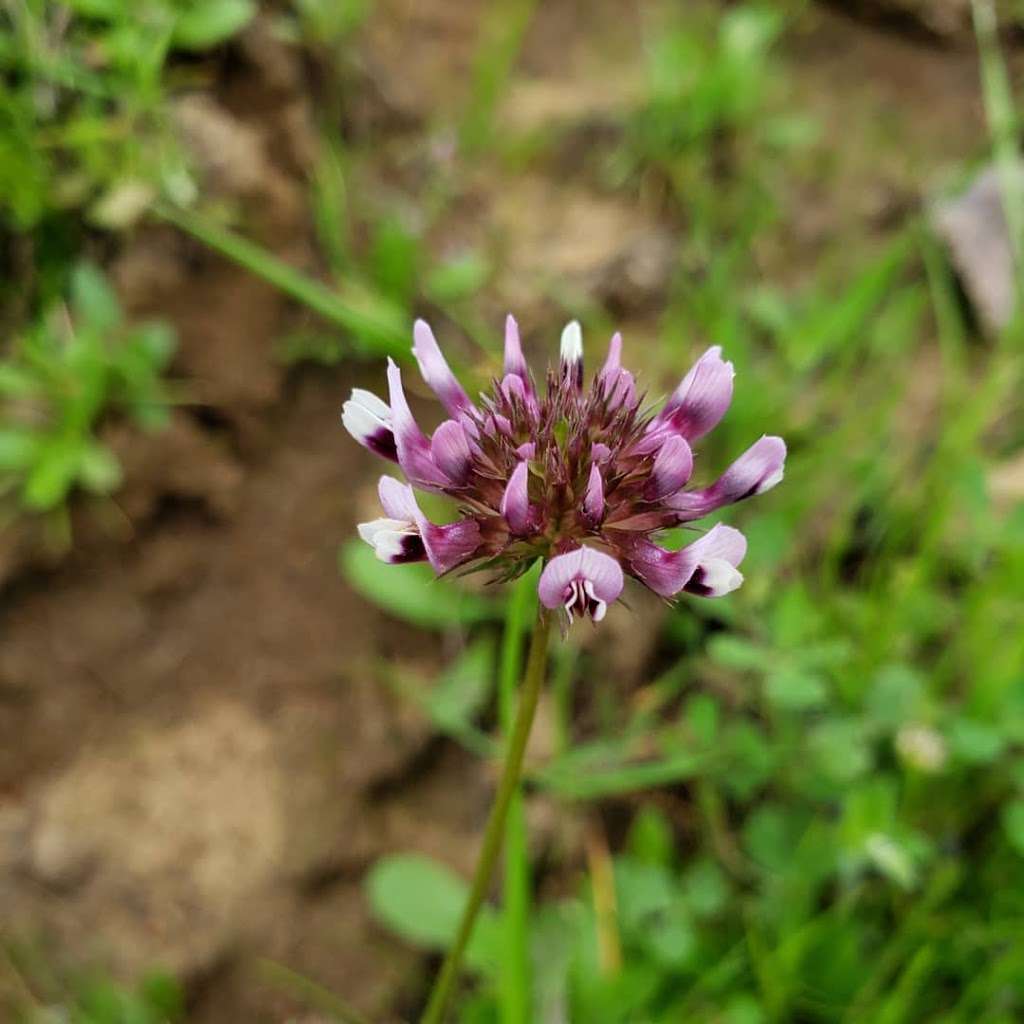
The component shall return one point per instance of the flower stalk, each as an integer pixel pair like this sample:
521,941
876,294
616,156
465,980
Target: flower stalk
494,832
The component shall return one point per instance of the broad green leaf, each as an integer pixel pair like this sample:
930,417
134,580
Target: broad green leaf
705,887
892,858
17,381
650,838
18,447
896,695
410,592
749,759
1013,824
93,300
108,9
794,690
157,341
738,653
702,715
395,254
422,900
208,22
55,469
463,689
770,834
975,742
98,469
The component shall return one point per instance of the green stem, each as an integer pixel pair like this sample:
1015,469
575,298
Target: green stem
494,833
376,333
514,984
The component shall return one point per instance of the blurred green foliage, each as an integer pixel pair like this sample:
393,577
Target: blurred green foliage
846,733
75,366
34,990
85,122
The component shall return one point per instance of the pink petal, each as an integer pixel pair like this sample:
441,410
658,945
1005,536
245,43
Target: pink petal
622,390
593,502
499,424
515,502
672,468
702,398
449,546
518,388
757,470
707,566
397,499
444,546
414,455
604,572
450,450
436,371
581,566
515,362
613,361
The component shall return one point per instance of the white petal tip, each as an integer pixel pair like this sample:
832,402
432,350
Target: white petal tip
571,348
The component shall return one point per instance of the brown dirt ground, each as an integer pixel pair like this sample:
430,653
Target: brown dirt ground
197,757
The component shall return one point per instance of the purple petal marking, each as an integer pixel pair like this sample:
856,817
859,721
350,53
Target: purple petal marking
393,541
414,454
436,371
600,452
368,419
702,398
757,470
449,546
706,567
571,353
672,468
408,536
450,450
396,538
583,580
593,502
515,361
515,502
718,553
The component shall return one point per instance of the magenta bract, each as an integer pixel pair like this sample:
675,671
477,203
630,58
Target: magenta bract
582,479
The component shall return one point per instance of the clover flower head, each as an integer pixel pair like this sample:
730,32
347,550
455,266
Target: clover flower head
583,479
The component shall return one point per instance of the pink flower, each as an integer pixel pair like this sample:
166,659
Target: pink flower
581,478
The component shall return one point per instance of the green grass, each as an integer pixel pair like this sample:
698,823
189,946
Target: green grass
78,366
